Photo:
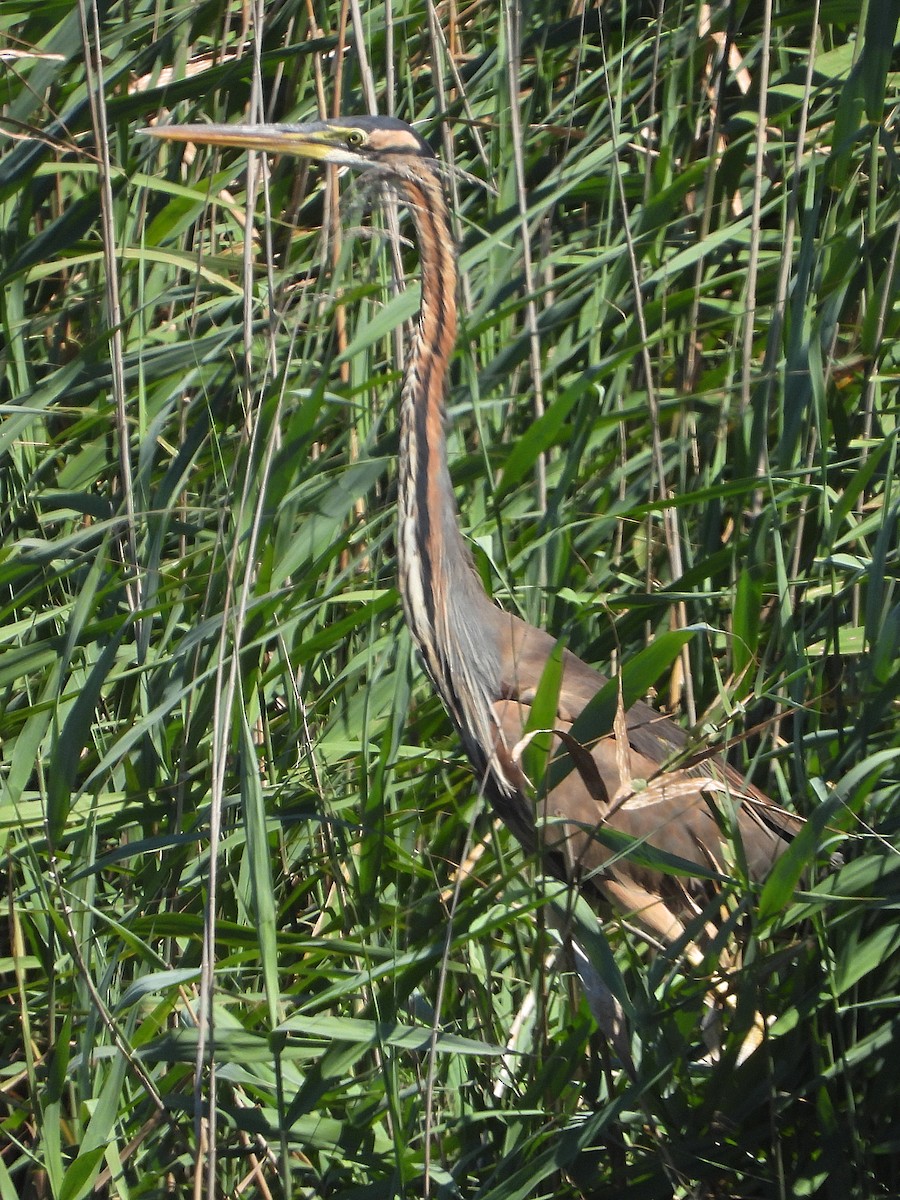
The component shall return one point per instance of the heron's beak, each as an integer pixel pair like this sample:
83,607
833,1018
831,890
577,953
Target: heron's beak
314,140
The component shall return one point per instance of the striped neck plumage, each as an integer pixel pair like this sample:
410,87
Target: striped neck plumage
445,604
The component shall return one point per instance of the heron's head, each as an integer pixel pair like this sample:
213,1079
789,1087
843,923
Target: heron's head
362,142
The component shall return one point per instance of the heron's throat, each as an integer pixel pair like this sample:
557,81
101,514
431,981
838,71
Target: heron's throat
429,535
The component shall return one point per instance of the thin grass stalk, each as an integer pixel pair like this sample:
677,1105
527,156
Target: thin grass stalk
669,512
774,347
390,68
431,1069
273,445
314,31
651,101
441,57
442,54
390,206
773,343
713,155
749,331
226,688
337,102
888,296
366,77
93,66
512,19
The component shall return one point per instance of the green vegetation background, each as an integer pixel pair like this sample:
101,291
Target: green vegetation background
229,800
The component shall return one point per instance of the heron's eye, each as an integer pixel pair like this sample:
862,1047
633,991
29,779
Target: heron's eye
355,138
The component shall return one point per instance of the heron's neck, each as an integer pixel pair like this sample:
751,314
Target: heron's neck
444,601
429,524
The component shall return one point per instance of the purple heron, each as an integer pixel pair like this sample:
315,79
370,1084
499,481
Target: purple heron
486,664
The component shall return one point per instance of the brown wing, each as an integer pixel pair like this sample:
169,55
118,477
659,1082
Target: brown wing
637,793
